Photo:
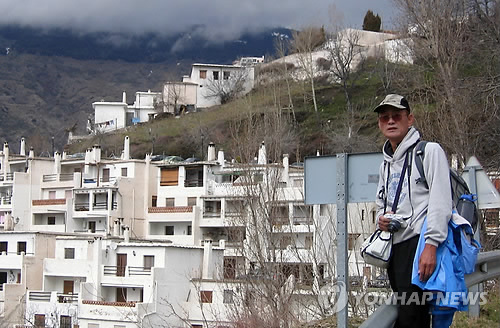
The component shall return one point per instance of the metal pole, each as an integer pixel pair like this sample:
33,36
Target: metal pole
342,265
474,308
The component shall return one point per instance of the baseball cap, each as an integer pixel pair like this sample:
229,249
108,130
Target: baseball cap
395,101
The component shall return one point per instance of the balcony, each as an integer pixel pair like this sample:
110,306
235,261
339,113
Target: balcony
6,201
58,177
171,213
126,277
7,177
45,202
113,311
97,206
193,183
66,267
51,296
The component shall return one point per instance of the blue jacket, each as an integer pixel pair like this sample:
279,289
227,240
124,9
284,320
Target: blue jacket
455,257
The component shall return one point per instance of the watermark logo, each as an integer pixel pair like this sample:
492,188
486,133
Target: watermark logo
452,299
333,297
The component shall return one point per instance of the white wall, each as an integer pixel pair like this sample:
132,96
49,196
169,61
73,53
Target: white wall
112,113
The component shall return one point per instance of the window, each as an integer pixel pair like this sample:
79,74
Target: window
298,183
373,216
3,246
105,175
308,242
65,321
51,220
169,230
285,241
226,75
69,253
170,201
149,261
228,296
191,201
39,320
21,247
206,296
203,74
169,177
124,171
352,237
216,75
93,325
189,230
52,194
154,201
229,268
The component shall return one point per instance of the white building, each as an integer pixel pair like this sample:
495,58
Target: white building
215,80
109,283
179,97
109,116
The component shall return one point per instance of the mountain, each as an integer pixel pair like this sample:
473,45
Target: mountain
149,47
49,78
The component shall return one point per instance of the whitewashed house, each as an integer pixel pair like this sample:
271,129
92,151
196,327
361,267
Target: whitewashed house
213,80
109,116
179,97
108,283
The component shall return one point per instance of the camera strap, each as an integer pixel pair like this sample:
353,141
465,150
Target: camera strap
400,185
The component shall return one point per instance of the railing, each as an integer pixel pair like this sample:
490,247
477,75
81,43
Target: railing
67,298
108,180
119,271
39,296
171,209
42,202
57,177
82,206
487,267
7,177
125,304
193,183
6,200
212,214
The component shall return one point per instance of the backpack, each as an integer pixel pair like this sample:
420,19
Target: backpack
463,199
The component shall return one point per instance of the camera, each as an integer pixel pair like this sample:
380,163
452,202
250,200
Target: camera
397,222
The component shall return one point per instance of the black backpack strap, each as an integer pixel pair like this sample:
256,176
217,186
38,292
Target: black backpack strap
419,159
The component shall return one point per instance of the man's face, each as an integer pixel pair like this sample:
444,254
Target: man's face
394,123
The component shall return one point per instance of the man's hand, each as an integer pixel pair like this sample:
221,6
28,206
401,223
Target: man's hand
383,222
427,262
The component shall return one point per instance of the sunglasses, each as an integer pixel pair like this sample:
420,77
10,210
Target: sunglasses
396,117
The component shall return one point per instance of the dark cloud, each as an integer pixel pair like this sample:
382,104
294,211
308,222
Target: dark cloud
215,19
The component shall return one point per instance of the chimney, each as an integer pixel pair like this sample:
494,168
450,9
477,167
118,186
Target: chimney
22,151
124,97
126,234
220,157
211,152
31,153
88,158
6,149
57,162
116,228
126,148
64,155
286,164
97,154
207,260
262,154
317,153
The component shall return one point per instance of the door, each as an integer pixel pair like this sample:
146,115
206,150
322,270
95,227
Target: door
92,226
121,264
121,294
68,286
105,175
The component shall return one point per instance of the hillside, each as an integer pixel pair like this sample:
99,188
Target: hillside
49,78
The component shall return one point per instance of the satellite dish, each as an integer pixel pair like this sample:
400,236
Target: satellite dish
112,246
16,220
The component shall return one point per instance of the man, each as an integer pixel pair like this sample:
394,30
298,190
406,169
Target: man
415,204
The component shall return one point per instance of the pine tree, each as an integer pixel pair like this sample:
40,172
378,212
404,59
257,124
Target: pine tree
371,22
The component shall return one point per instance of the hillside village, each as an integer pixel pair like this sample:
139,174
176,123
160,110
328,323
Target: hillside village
93,241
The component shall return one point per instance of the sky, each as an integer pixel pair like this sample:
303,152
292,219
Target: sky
215,19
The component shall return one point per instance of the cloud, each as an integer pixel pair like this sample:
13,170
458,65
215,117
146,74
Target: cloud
222,19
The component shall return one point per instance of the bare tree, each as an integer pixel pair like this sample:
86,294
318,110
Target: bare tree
228,87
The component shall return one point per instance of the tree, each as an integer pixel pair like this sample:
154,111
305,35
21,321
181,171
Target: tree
228,87
456,74
371,22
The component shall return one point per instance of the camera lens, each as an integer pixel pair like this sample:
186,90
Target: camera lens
394,226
